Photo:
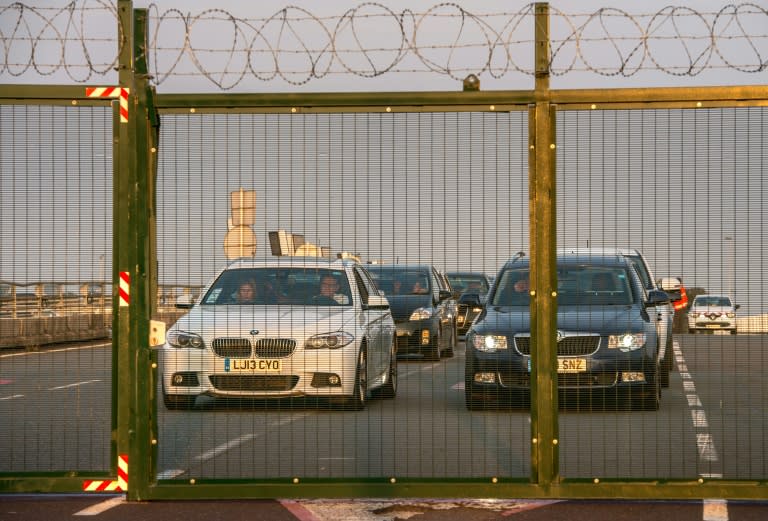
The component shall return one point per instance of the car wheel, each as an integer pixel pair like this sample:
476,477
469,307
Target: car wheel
356,402
471,400
448,353
389,390
666,365
178,402
733,331
650,402
433,354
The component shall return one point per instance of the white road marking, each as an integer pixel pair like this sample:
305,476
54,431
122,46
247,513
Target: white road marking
73,385
98,508
715,510
12,397
224,447
170,474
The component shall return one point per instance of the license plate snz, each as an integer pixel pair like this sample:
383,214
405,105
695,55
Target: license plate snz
250,365
568,365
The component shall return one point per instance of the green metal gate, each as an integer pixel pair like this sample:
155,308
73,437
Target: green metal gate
494,173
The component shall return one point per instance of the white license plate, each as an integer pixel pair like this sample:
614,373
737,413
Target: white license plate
571,365
250,365
568,365
713,326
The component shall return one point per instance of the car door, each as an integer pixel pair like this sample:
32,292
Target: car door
374,323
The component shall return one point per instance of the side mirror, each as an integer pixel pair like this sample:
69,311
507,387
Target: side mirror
444,294
737,306
656,297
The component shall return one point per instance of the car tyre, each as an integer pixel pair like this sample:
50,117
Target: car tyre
389,390
650,402
356,402
433,355
666,365
448,353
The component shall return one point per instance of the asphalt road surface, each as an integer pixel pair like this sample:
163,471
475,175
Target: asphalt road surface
115,508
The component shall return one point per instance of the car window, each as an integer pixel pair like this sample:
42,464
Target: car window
645,277
401,281
468,284
577,286
273,285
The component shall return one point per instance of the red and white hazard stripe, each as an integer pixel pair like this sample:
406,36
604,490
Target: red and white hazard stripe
111,485
112,92
125,288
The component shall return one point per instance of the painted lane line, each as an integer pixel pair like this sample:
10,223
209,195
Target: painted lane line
73,385
12,397
705,444
170,474
224,447
715,510
99,508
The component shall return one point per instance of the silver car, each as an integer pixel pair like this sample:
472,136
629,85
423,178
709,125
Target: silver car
712,313
282,328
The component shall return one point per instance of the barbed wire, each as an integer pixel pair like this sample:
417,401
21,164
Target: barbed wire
370,40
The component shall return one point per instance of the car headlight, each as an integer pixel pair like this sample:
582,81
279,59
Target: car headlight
184,339
489,343
421,314
332,340
627,341
731,314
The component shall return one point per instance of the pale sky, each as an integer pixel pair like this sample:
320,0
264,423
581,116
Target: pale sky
444,188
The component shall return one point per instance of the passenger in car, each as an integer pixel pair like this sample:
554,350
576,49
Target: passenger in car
329,286
246,293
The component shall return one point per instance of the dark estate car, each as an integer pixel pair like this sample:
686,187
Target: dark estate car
607,341
423,308
467,283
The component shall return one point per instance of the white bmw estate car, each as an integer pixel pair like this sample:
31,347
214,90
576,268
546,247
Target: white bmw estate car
282,328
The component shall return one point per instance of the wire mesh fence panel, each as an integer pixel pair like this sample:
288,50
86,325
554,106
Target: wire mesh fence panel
55,304
685,188
266,389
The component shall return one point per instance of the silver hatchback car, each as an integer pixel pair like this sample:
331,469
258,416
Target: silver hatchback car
712,313
281,328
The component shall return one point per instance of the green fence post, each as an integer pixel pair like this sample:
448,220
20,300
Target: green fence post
543,236
124,258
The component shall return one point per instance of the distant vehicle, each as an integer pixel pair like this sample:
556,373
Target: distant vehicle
423,308
608,344
712,313
281,328
463,283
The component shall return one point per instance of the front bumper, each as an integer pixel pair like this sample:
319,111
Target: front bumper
416,336
322,372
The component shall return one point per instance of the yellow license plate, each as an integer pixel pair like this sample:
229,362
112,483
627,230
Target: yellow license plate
571,365
250,365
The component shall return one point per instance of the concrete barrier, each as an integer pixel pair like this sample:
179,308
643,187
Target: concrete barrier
30,332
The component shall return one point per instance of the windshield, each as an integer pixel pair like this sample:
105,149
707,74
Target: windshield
576,286
291,286
713,301
401,281
468,283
